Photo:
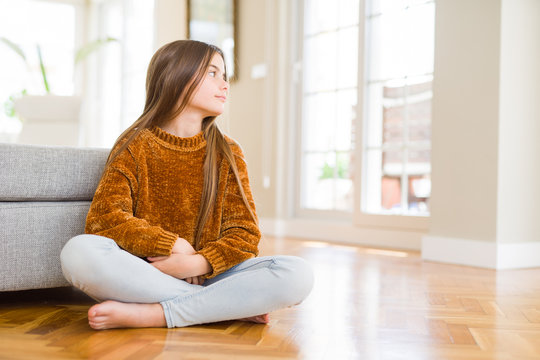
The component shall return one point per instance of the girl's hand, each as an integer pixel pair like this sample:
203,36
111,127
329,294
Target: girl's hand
181,266
196,280
177,265
182,246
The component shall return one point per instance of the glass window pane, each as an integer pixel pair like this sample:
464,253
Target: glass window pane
419,122
398,110
346,115
372,181
387,46
378,6
347,57
385,176
329,182
320,15
419,132
393,115
330,78
420,35
320,62
374,115
383,181
343,182
319,122
386,113
418,162
391,193
418,111
407,113
392,162
419,193
348,12
318,186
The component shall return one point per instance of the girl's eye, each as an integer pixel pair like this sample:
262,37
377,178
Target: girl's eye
212,73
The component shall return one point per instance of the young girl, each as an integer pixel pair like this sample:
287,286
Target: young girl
172,234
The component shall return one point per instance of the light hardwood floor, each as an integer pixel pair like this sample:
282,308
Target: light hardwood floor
366,304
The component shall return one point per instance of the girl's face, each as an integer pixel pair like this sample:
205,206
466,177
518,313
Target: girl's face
209,98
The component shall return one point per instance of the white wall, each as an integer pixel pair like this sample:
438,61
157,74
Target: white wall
519,123
486,123
465,117
170,21
249,97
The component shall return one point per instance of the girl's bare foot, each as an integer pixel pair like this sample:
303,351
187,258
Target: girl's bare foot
113,314
259,319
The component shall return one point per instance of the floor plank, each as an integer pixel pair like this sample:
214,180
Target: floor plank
366,304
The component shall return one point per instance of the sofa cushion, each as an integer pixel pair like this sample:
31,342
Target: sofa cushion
49,173
32,234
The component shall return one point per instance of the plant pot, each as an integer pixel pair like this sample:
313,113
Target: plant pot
49,119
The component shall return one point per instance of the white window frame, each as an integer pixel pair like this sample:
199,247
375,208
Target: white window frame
298,210
358,216
361,217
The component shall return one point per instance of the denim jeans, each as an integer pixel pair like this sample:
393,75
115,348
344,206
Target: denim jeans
101,269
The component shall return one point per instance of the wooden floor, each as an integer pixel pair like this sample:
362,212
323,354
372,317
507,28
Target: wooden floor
366,304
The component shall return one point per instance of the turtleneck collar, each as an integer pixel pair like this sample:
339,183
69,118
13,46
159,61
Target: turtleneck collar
188,143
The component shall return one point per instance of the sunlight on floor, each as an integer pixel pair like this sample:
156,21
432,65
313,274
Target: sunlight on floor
360,249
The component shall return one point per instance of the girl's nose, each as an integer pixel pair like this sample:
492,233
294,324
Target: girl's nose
225,85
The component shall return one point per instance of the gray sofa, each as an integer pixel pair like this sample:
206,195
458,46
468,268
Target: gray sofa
45,194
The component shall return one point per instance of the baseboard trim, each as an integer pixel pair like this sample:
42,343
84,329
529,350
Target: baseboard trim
491,255
484,254
341,232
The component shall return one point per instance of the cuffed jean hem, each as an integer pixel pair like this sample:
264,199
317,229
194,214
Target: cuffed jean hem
254,287
167,313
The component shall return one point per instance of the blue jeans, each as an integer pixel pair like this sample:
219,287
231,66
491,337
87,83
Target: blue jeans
101,269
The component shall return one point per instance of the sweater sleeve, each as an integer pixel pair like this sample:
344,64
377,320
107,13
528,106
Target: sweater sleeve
112,210
239,233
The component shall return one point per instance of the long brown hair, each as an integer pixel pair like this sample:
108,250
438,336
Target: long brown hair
175,71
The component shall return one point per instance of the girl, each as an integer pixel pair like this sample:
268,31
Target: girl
171,235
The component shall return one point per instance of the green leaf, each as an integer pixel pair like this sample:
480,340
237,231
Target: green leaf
91,47
327,172
9,107
16,48
43,73
340,169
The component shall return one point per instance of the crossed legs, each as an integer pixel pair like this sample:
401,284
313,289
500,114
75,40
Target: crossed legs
135,294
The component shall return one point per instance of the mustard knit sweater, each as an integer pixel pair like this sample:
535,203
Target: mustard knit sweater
150,195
